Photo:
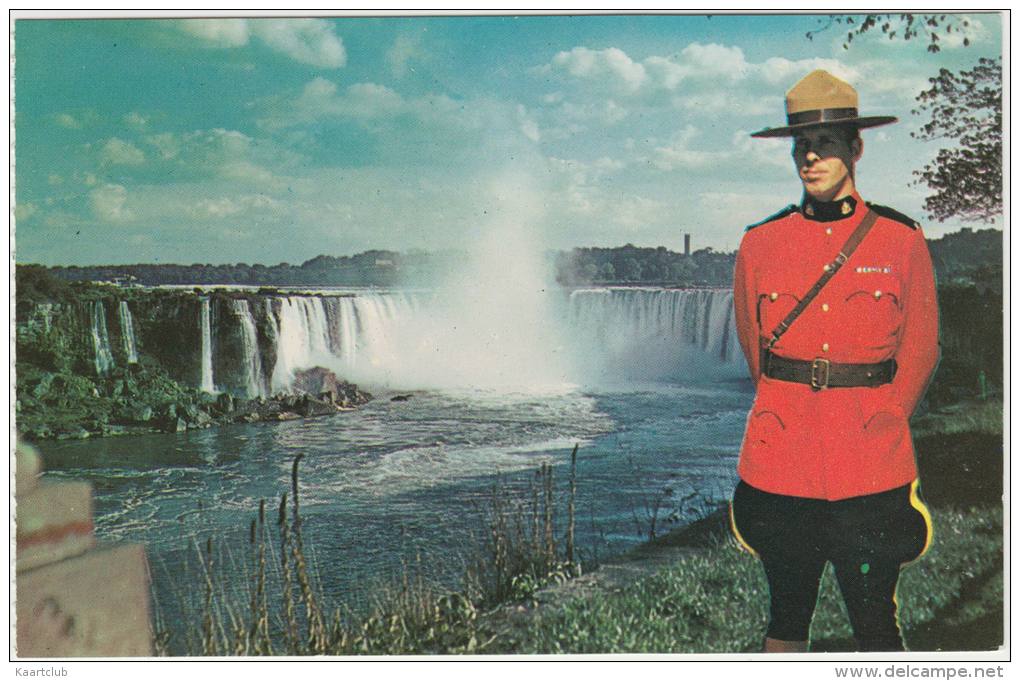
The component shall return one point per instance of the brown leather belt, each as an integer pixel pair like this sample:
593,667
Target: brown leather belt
821,373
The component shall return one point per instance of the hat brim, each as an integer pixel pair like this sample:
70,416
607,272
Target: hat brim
859,123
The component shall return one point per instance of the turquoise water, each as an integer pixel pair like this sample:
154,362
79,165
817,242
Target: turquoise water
392,481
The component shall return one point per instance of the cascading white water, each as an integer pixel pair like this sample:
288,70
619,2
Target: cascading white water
46,313
253,383
100,339
616,334
207,384
345,322
302,339
654,333
128,332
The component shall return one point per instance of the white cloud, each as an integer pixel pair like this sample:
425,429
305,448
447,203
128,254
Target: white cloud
309,41
782,71
24,211
528,126
973,32
378,106
737,208
405,48
251,174
580,189
606,164
216,208
727,101
678,154
611,67
697,70
369,100
227,154
136,120
361,100
762,151
690,149
166,144
600,111
217,32
66,120
715,61
225,206
108,203
118,152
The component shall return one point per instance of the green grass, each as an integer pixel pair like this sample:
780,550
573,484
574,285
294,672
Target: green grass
278,608
966,417
714,601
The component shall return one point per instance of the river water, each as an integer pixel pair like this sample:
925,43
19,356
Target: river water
398,481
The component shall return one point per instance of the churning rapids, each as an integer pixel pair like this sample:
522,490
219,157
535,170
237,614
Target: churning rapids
650,383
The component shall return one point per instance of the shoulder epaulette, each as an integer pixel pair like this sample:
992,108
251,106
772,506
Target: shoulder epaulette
887,212
792,208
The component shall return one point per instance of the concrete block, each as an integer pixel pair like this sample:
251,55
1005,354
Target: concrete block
94,605
54,521
28,467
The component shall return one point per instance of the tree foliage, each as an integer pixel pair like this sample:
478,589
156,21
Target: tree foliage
965,108
907,26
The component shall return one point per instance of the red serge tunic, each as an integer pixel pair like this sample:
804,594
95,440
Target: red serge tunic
835,443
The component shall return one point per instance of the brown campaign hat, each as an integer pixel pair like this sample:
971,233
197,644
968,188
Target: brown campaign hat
820,98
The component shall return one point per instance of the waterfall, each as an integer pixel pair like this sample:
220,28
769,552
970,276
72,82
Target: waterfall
356,336
100,339
345,322
249,339
46,312
397,338
207,372
127,327
302,339
653,334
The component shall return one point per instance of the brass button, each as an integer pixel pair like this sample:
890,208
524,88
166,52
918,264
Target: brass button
825,347
825,307
826,267
810,210
878,294
773,295
828,230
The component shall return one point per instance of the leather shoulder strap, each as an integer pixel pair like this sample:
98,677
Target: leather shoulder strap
830,271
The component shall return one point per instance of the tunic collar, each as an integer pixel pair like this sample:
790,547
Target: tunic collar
828,211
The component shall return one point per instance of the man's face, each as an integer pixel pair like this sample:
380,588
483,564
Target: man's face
825,161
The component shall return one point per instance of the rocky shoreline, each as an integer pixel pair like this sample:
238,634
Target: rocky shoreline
142,399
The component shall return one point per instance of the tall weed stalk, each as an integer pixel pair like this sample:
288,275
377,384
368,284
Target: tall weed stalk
283,612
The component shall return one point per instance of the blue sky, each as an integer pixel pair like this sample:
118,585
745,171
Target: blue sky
276,140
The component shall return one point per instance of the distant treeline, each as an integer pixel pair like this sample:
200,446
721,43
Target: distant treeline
966,256
371,268
633,265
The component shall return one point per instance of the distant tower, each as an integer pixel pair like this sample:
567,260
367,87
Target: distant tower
687,244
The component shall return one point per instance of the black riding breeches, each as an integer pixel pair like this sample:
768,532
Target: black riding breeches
867,539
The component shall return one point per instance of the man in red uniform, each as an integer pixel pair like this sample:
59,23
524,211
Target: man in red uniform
827,470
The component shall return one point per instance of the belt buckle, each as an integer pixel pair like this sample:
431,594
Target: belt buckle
819,373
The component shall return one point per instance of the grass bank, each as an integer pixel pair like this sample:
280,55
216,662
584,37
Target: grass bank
691,591
713,598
